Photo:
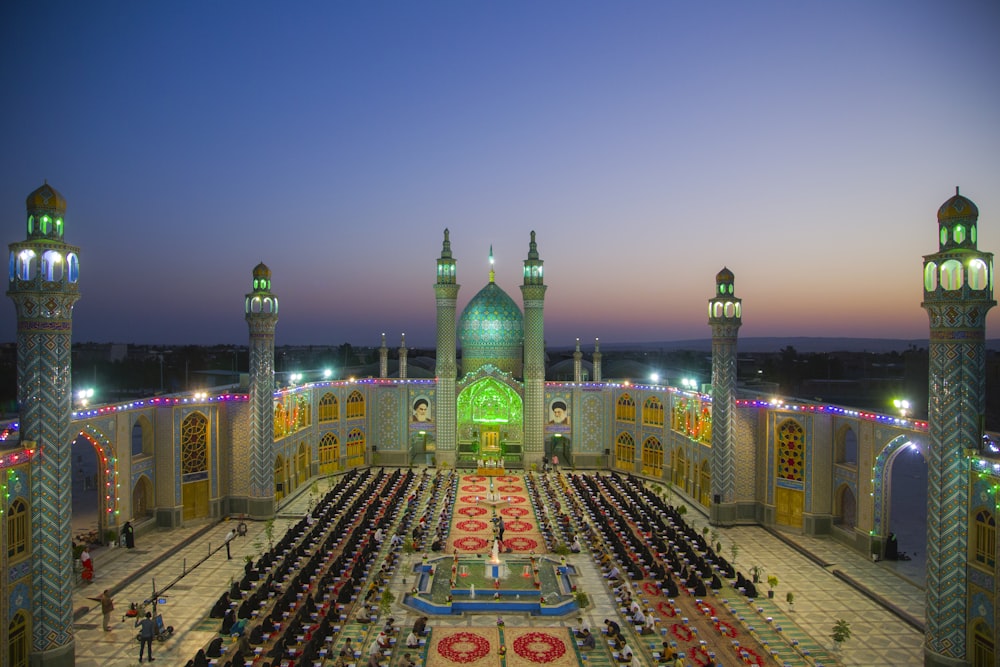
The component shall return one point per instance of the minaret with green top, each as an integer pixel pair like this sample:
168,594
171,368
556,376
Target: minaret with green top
446,368
261,307
725,313
533,293
43,283
958,292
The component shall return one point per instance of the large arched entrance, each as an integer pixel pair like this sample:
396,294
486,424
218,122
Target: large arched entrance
94,487
901,505
490,416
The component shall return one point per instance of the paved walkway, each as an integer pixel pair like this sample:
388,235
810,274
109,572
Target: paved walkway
824,575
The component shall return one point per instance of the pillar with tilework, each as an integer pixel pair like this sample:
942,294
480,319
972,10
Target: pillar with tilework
261,308
446,368
958,292
44,275
724,316
533,293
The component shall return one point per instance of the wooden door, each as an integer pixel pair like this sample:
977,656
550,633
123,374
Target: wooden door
788,504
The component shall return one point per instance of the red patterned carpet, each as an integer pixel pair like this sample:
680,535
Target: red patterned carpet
523,647
472,523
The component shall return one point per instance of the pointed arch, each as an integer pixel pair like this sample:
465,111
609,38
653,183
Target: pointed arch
355,447
329,454
279,478
652,455
625,409
18,640
142,498
303,464
705,482
845,507
142,437
329,408
355,405
18,530
882,484
652,412
679,467
625,451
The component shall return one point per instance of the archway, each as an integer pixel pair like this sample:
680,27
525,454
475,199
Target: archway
901,503
279,478
845,511
142,498
94,488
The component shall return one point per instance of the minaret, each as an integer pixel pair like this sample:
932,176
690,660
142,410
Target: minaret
958,292
724,313
597,360
262,317
577,363
383,360
533,293
402,358
44,274
446,368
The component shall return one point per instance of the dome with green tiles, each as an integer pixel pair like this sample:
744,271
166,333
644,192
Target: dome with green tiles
491,331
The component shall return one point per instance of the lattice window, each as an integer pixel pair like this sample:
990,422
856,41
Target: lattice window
625,409
791,450
329,453
17,529
280,422
652,455
679,468
706,482
355,405
986,538
303,411
983,648
329,408
17,640
194,444
625,450
652,412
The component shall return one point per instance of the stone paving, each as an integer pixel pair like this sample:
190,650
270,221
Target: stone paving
824,576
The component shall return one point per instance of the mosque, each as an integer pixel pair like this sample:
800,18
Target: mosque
789,464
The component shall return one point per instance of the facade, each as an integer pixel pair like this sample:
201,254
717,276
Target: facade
794,465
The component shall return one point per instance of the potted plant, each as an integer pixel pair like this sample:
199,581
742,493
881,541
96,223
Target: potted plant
772,581
755,573
790,599
841,633
733,550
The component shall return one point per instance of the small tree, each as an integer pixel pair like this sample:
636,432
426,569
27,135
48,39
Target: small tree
733,550
841,632
385,603
772,581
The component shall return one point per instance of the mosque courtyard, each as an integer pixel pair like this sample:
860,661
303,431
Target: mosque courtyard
490,625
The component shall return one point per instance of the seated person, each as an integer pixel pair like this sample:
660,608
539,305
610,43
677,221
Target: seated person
420,626
221,606
614,630
412,641
614,575
406,661
586,640
584,627
575,546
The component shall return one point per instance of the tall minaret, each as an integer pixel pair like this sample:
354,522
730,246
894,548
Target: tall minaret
402,358
383,360
724,313
597,360
577,363
533,293
446,294
44,274
262,317
958,292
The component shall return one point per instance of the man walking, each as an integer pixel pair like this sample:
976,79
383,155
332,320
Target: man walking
147,629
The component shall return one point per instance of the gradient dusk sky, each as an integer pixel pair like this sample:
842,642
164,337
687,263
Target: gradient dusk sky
805,145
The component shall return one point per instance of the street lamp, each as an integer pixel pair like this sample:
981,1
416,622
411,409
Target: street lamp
902,405
689,383
654,378
84,396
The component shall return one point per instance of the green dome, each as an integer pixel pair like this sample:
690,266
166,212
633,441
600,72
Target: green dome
491,331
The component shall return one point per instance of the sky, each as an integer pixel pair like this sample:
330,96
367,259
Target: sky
805,146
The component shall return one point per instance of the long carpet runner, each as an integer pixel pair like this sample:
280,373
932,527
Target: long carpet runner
472,530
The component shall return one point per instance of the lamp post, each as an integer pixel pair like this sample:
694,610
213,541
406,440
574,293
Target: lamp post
903,406
84,396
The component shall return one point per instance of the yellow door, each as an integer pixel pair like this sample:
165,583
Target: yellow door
490,443
788,504
196,499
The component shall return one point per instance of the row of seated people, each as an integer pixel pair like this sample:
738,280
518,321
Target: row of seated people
554,526
293,615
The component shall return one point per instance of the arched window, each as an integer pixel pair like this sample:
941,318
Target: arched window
356,447
679,469
846,447
951,274
652,455
978,274
983,647
329,408
17,530
791,451
705,481
985,547
930,276
194,444
142,498
17,640
142,437
303,468
624,451
625,409
845,508
355,405
52,266
303,411
329,454
652,412
280,423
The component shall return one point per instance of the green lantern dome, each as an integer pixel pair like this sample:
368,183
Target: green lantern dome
491,331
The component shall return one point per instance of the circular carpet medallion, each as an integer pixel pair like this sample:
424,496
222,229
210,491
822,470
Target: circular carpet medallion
471,543
472,511
470,500
471,525
464,647
512,511
510,488
473,478
539,647
516,500
517,526
473,488
507,478
520,544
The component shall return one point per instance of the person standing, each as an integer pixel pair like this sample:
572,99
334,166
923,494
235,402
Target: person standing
128,535
88,565
229,538
147,629
107,606
501,528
